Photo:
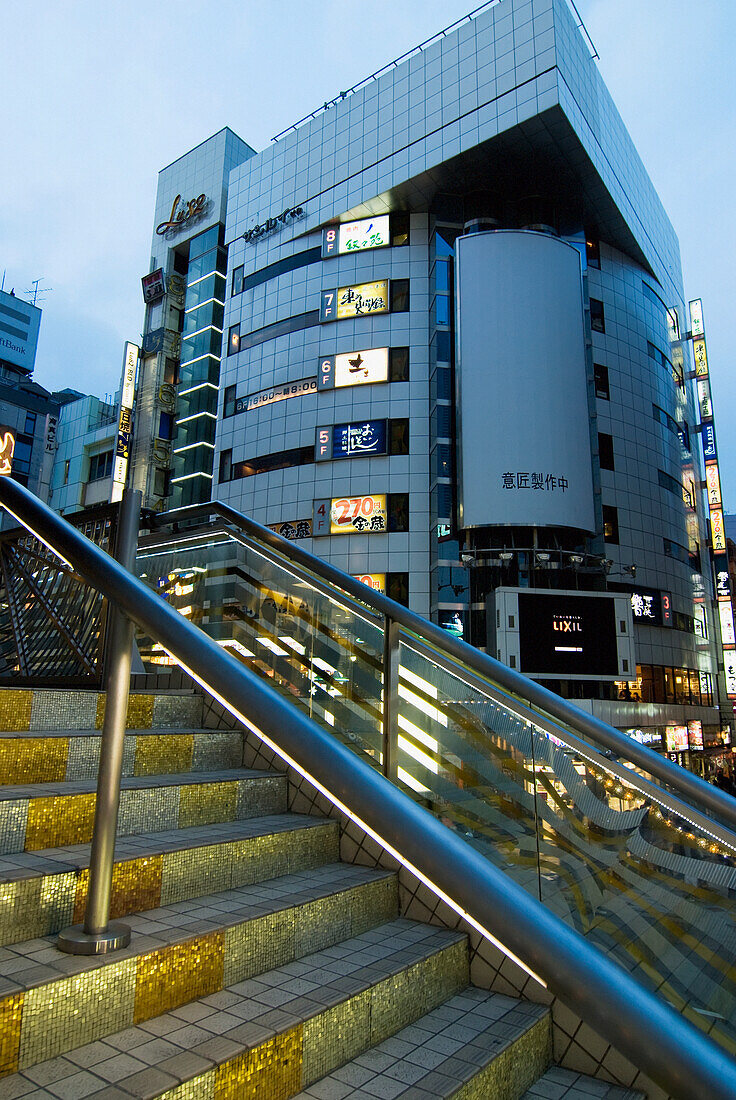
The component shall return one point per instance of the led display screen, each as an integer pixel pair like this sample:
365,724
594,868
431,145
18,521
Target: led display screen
376,581
562,635
353,368
358,515
676,738
361,300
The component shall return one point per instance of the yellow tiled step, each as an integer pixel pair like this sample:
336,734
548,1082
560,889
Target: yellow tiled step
52,756
51,1002
269,1038
23,709
54,815
43,892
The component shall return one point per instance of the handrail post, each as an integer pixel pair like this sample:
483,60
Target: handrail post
390,719
98,934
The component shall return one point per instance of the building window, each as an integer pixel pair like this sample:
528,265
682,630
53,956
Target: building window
233,340
171,371
226,465
399,229
30,427
166,426
281,460
398,365
398,443
237,285
67,463
610,524
100,466
593,252
398,512
602,389
597,318
671,484
605,451
399,295
229,406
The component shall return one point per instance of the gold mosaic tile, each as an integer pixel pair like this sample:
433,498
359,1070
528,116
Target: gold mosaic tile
35,907
192,872
174,975
273,1070
57,821
136,886
73,1011
336,1036
15,710
163,754
258,945
33,759
139,715
11,1012
206,803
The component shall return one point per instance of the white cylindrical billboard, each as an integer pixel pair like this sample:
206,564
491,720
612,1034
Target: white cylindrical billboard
524,453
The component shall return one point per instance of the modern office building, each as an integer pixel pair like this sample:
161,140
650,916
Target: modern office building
456,360
85,446
184,293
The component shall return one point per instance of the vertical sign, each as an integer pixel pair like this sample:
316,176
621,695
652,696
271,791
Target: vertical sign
125,423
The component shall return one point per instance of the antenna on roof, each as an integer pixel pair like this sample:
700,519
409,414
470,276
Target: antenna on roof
38,292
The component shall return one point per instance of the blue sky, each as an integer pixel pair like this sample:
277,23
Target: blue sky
97,97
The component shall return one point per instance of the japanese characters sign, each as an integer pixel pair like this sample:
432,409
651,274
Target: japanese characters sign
728,637
355,301
353,368
709,443
355,440
154,285
293,529
696,317
701,358
376,581
713,485
531,479
125,422
718,530
358,515
729,660
275,393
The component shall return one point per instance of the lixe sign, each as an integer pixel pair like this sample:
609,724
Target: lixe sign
182,213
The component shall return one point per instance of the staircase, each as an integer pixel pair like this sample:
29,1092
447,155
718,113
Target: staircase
259,966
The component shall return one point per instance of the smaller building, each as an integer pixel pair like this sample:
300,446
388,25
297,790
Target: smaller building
85,447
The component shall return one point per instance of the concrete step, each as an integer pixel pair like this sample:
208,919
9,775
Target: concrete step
53,815
59,755
270,1036
43,892
51,1002
23,709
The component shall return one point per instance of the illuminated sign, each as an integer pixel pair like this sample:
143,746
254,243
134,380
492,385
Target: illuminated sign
358,515
367,437
647,606
356,236
728,636
376,581
272,224
701,358
729,661
723,581
154,285
125,423
182,215
695,734
563,634
713,485
645,737
666,609
706,409
709,443
361,300
353,368
293,529
696,317
718,531
7,447
275,393
676,738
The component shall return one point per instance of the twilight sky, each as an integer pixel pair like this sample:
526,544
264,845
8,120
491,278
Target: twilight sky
97,97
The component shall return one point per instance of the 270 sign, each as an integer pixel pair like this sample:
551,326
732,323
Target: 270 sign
350,515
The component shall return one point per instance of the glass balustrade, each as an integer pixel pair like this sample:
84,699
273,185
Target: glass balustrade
603,847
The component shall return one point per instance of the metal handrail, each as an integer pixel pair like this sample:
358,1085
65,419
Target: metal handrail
657,1039
710,799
